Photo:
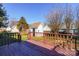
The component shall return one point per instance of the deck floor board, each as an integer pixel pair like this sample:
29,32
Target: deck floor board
18,49
23,49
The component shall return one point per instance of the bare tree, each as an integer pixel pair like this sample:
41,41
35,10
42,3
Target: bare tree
54,20
77,19
68,18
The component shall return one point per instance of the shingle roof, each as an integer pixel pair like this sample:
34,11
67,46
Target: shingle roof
35,25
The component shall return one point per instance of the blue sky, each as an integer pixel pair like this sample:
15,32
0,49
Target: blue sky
33,12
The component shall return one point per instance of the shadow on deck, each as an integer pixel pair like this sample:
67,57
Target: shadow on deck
26,49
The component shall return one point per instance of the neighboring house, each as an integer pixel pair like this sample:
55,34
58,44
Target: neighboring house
2,29
71,30
8,29
46,28
12,27
39,28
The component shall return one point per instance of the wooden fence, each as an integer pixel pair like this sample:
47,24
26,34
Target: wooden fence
68,41
8,38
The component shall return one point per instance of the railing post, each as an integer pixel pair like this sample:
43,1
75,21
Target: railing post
67,42
8,36
63,40
19,37
30,34
71,42
60,40
2,39
55,38
76,46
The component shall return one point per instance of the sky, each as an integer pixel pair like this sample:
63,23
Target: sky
33,12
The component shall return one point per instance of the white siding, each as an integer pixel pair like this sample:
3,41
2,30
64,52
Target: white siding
46,28
40,28
14,29
8,29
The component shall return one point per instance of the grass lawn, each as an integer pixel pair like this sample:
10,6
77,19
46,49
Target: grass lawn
39,38
44,39
24,37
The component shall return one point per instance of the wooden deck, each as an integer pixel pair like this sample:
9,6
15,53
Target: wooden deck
26,49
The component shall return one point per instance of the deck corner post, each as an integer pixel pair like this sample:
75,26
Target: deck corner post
19,37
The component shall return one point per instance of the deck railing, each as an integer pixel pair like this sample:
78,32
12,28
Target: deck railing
67,41
7,38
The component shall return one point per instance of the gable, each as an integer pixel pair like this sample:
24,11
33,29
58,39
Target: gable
47,28
35,25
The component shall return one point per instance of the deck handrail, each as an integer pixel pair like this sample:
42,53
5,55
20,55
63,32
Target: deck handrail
66,40
7,38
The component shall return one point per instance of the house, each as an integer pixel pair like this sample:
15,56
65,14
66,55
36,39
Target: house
36,27
46,28
2,29
39,28
12,27
71,30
